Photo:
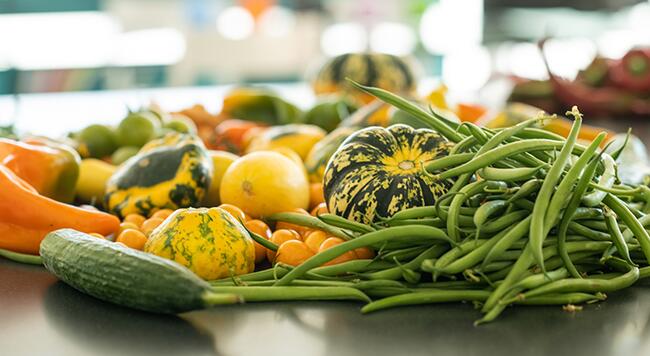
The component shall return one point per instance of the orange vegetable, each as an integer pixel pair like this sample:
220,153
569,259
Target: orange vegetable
132,238
302,230
127,225
316,195
162,214
260,228
99,236
279,237
331,242
150,224
229,135
470,112
293,253
26,217
51,168
234,211
319,209
135,219
587,133
315,239
364,253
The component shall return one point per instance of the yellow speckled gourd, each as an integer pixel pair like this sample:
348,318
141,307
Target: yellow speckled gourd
210,242
169,173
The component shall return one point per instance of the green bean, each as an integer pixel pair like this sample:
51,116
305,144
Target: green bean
456,202
338,221
395,272
434,122
583,213
631,221
476,132
464,145
402,254
594,224
607,179
507,241
472,258
309,221
486,210
415,213
354,266
261,240
504,221
489,157
262,275
538,222
563,299
435,222
533,133
21,257
618,151
563,190
274,293
586,285
528,188
394,233
591,234
508,174
574,202
428,297
429,265
452,160
617,236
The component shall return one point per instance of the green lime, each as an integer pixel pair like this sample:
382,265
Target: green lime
137,129
98,140
181,123
124,153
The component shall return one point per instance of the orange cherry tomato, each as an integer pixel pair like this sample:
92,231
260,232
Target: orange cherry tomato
331,242
260,228
302,230
127,225
293,252
135,219
134,239
316,196
315,239
150,224
364,253
162,214
279,237
319,209
237,213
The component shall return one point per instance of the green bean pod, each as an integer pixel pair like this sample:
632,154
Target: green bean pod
426,297
509,174
341,222
617,236
538,223
274,293
406,233
631,221
309,221
485,211
454,208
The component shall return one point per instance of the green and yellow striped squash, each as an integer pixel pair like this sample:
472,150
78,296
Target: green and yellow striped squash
322,151
210,242
374,69
378,172
169,173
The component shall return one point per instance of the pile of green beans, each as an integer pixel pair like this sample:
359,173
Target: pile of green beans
531,218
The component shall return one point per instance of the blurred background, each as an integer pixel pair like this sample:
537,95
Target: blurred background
480,49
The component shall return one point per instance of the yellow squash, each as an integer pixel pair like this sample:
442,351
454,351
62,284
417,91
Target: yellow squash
208,241
298,137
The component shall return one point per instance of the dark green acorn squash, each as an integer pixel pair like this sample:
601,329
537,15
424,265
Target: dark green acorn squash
372,69
169,173
378,172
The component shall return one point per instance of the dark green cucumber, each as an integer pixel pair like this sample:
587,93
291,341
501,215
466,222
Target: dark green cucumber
125,276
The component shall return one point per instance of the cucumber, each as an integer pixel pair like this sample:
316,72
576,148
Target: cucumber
125,276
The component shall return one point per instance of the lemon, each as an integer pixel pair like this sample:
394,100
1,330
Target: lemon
221,160
137,129
97,141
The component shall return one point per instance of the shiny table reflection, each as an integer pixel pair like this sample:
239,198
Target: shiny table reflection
43,316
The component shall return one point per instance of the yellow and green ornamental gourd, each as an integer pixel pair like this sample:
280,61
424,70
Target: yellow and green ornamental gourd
168,173
372,69
210,242
378,172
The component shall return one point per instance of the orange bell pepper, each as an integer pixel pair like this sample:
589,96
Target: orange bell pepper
51,168
26,216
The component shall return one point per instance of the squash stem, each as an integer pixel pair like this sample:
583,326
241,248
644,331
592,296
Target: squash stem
211,299
21,257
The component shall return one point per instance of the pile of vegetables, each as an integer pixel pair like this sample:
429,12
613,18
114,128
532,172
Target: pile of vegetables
451,212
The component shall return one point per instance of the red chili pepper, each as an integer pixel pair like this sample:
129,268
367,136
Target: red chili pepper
632,72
